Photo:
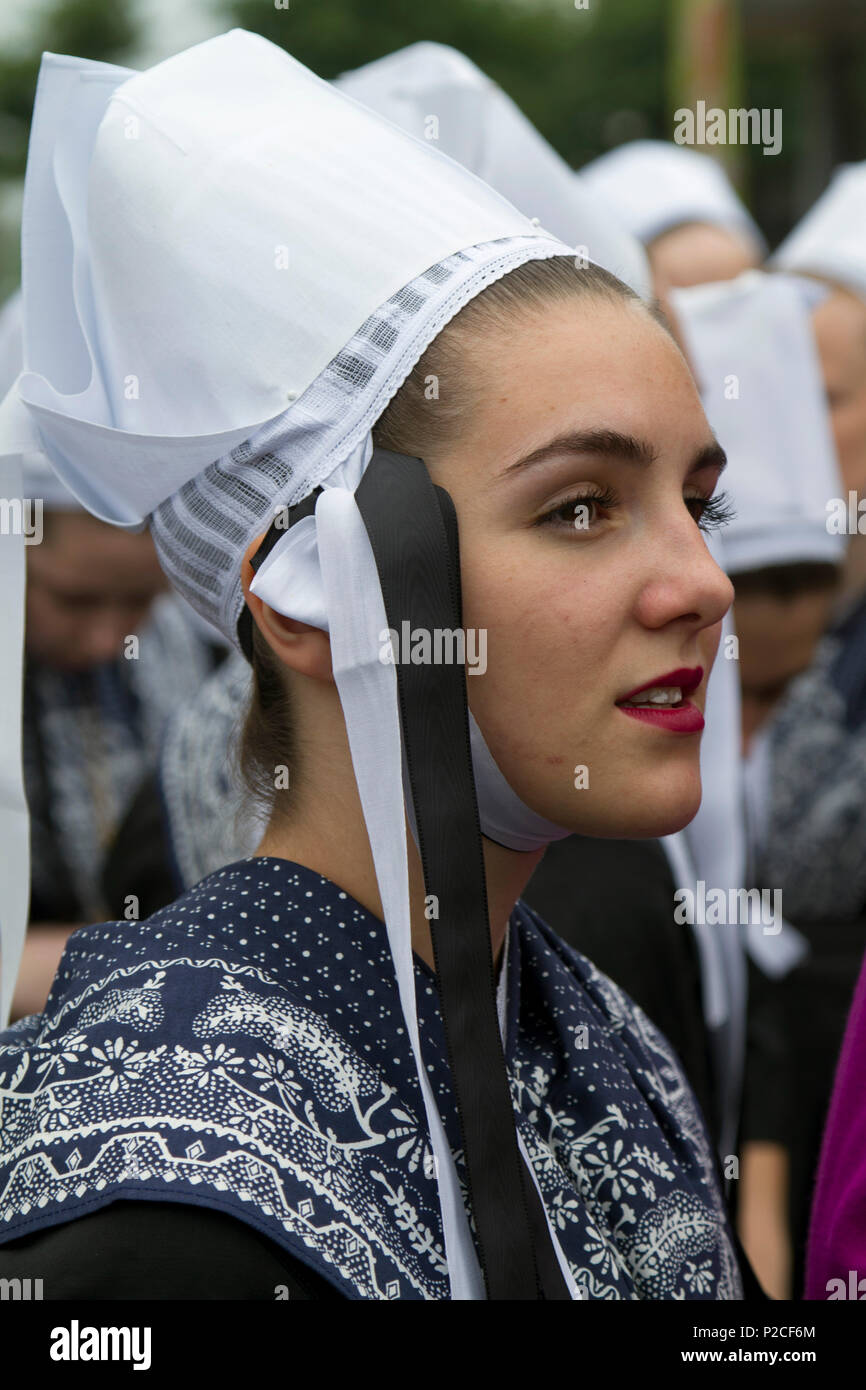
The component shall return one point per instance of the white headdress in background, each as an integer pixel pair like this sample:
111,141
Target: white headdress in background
751,343
653,186
441,97
39,480
753,351
830,241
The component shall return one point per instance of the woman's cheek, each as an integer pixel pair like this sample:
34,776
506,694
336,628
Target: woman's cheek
710,638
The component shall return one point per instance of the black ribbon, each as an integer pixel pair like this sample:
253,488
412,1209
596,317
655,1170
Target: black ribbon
412,528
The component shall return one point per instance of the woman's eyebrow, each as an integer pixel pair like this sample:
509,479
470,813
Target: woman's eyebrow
712,455
606,443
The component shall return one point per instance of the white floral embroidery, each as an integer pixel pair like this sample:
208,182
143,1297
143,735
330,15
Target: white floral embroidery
274,1098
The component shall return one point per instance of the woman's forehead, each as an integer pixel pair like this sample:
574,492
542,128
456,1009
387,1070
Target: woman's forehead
579,341
594,364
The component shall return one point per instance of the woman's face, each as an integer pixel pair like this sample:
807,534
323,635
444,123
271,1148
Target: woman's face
588,406
89,586
696,253
840,334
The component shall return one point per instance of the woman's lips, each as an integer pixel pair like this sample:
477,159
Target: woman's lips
686,678
684,718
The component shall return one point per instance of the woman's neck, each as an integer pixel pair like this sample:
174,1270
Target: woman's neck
339,850
321,825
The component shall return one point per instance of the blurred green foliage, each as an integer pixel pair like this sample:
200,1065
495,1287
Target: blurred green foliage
101,29
590,79
567,68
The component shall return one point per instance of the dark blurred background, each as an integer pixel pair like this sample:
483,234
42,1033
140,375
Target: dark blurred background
589,78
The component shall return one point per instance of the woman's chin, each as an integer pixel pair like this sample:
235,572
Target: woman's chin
668,814
653,826
634,813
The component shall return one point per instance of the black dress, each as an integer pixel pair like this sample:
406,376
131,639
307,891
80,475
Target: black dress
613,901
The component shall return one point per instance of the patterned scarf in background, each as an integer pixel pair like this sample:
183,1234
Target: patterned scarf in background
90,738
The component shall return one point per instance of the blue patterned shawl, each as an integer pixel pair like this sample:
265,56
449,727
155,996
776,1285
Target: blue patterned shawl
244,1049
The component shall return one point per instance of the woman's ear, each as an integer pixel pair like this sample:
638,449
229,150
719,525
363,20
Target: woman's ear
300,646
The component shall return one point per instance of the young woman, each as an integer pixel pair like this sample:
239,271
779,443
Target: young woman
292,1078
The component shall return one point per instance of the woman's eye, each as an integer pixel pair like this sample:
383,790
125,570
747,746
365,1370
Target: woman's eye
711,513
578,513
582,512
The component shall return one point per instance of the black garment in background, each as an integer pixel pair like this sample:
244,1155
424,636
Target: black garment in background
141,862
613,900
138,859
138,864
55,900
769,1082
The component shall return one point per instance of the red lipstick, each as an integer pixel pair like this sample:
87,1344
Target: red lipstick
681,718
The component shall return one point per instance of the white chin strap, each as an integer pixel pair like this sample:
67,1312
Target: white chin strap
322,572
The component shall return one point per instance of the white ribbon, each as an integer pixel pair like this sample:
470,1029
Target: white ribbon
502,1017
14,821
368,693
776,952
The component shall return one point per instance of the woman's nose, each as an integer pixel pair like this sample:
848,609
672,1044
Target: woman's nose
686,580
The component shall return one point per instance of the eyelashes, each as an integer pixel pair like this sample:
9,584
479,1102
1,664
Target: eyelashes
567,512
711,514
716,511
